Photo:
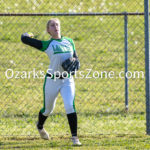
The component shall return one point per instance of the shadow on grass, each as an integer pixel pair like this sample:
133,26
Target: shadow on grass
121,112
96,114
35,143
63,142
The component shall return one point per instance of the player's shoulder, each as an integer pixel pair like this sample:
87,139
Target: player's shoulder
45,44
67,38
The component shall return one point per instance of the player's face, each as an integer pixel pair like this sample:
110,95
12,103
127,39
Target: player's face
54,29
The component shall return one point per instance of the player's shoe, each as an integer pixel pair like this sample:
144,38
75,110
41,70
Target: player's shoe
43,133
76,141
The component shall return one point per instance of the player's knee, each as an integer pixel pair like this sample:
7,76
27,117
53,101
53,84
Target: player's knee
70,109
47,113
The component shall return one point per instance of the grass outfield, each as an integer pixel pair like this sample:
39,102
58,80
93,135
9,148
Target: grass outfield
102,120
109,142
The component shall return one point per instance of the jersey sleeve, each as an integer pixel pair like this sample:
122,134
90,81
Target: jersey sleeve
74,49
40,45
75,54
45,45
73,45
31,42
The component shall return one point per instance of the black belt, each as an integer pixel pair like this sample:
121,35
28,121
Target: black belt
56,76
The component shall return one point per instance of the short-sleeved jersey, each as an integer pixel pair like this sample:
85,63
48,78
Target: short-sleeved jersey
58,50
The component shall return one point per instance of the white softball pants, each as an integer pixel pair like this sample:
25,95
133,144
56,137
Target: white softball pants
51,88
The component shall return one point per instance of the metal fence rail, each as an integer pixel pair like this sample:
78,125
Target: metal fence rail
70,14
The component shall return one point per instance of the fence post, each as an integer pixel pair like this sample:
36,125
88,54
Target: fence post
126,58
147,65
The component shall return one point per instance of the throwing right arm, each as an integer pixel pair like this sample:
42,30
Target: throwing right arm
26,39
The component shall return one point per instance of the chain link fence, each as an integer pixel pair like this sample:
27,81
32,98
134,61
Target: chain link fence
99,40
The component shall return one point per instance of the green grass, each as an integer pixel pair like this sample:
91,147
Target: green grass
109,142
103,122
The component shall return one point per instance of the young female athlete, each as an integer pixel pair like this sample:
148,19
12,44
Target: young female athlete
58,49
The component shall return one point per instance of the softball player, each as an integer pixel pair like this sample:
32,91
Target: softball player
58,49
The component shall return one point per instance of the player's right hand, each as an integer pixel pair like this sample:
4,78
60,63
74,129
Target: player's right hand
28,34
